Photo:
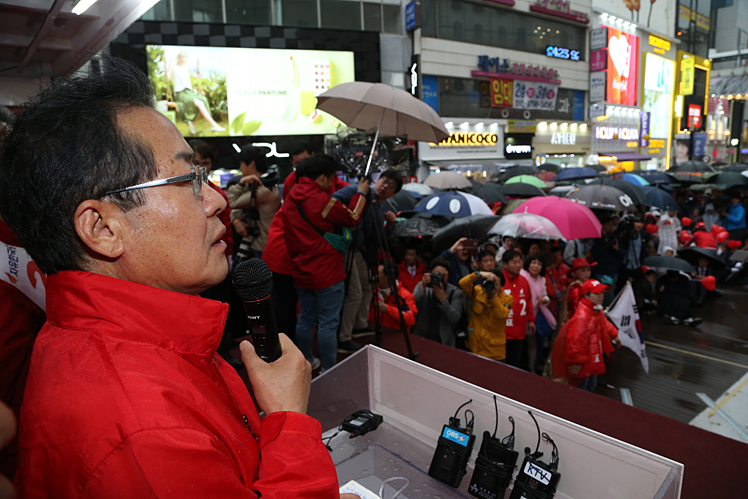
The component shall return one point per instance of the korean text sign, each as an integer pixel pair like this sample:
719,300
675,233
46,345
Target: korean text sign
623,67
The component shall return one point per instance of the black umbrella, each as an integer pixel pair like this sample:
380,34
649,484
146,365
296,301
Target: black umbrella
521,190
727,179
658,198
513,171
602,197
633,191
597,168
692,255
420,224
655,177
550,167
736,167
669,263
692,167
491,193
402,201
472,227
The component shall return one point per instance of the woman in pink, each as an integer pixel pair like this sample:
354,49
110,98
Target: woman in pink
545,322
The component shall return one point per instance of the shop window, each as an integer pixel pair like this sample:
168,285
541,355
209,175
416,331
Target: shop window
198,11
428,18
159,12
255,12
341,14
301,13
391,16
372,16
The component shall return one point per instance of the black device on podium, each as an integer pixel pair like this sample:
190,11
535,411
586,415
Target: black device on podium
536,479
495,463
453,450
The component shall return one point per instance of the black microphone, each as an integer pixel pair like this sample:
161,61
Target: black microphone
253,281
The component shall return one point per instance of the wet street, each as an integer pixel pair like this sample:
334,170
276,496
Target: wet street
685,360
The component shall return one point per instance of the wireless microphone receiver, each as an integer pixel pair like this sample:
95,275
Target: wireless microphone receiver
253,281
453,449
536,479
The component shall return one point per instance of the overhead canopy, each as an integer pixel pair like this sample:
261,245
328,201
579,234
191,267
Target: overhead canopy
729,85
475,165
627,156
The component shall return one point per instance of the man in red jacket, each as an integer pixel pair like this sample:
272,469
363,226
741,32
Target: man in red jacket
126,396
387,304
311,217
521,320
411,270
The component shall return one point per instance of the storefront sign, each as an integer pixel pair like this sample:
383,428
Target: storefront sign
596,111
694,116
578,105
660,46
616,133
488,65
518,146
599,39
562,53
430,91
535,95
623,59
699,144
598,85
599,60
559,8
688,72
521,126
469,139
493,64
412,15
659,143
567,139
502,92
470,142
644,127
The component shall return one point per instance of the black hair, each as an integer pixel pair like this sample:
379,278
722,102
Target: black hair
531,258
202,148
649,272
67,147
299,148
390,270
413,245
439,262
484,253
319,164
254,154
6,116
395,177
499,275
509,255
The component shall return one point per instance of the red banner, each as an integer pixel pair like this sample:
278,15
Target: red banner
502,92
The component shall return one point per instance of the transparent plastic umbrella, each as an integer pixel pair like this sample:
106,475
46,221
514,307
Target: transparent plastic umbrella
526,226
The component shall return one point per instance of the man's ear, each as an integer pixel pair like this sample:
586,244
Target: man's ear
99,225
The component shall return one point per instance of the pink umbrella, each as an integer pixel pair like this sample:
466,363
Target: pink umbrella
546,176
573,220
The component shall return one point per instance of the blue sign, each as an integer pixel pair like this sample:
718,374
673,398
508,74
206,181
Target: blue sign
493,64
430,91
699,144
410,16
455,436
562,53
578,105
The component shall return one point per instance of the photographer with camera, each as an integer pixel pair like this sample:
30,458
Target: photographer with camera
440,303
387,303
254,201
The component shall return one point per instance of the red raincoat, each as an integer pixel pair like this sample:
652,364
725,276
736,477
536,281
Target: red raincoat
522,311
391,318
406,280
583,340
127,398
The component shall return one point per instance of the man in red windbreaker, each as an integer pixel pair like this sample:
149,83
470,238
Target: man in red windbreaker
521,320
411,270
126,396
311,217
387,303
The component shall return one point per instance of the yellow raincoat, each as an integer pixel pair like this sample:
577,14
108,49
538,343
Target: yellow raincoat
487,318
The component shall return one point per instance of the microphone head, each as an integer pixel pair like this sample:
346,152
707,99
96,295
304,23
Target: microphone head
252,279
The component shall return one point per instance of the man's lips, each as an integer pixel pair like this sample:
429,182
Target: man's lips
220,235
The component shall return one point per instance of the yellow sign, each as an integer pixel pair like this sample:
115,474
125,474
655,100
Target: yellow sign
521,126
657,143
469,139
654,151
703,22
659,43
688,70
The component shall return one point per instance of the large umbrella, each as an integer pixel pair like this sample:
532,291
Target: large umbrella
692,167
736,167
526,179
490,193
472,227
573,220
521,190
402,201
655,177
514,171
390,110
420,224
633,191
669,263
562,190
602,197
550,167
659,199
453,204
727,179
598,168
418,190
692,255
633,178
577,173
448,180
526,226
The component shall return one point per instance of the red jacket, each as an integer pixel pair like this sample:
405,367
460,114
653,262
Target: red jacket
391,318
574,297
406,280
317,264
290,181
703,239
583,340
225,217
522,311
127,398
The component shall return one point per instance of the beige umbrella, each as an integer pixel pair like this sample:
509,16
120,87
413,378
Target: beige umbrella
447,180
391,111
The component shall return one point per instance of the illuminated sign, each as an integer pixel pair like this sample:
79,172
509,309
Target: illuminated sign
567,139
502,92
659,143
562,53
469,139
694,116
659,44
518,146
521,149
498,65
616,133
688,72
623,59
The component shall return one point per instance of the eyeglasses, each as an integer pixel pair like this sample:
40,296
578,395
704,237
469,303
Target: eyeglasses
198,176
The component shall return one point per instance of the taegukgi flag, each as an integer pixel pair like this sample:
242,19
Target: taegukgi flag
625,315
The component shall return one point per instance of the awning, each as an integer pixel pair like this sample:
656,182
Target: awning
477,165
627,156
729,85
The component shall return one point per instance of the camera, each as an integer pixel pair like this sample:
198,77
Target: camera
270,178
438,278
489,286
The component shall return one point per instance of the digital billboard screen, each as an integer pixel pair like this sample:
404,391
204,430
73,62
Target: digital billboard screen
623,67
221,91
659,82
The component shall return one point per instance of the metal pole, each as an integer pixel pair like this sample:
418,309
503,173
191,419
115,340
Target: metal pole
374,145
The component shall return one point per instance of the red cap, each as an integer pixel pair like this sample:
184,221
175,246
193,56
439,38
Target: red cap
594,286
579,263
701,225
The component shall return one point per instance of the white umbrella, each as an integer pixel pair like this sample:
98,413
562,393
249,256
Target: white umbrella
390,110
448,180
527,226
422,189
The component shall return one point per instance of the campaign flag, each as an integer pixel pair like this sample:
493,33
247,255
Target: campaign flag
625,315
20,271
